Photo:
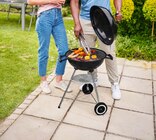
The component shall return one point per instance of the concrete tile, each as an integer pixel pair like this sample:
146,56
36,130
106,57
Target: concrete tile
137,72
154,70
135,101
18,111
59,93
137,85
154,87
103,80
23,106
104,96
131,124
47,107
5,125
115,137
155,103
138,63
83,114
30,128
70,132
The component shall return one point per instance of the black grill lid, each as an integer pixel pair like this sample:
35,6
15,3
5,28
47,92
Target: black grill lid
103,24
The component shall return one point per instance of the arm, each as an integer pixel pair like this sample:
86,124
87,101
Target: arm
40,2
118,5
75,10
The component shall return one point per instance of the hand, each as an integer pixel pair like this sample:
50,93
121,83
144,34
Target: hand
77,30
118,16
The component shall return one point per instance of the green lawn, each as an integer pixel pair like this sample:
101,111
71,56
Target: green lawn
18,62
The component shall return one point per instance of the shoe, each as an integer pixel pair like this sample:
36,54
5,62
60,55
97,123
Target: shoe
96,83
116,94
62,85
45,87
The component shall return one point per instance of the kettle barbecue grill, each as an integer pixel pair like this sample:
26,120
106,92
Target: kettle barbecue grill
105,27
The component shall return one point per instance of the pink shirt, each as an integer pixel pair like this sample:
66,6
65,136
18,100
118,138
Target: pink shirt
46,7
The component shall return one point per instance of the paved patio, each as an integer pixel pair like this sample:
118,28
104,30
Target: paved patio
131,118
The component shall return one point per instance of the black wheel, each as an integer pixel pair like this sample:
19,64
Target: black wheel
100,108
87,88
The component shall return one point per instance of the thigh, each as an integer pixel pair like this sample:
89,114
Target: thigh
88,32
43,28
60,37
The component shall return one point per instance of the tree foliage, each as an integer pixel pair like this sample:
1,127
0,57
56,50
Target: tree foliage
138,25
149,11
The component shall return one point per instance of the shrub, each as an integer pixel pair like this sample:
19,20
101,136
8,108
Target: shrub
149,11
66,11
137,25
127,9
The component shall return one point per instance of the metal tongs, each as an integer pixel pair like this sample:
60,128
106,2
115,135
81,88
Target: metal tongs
84,44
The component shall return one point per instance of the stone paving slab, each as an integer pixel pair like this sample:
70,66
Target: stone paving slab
136,102
47,107
71,132
116,137
132,124
30,128
137,72
154,70
154,87
136,85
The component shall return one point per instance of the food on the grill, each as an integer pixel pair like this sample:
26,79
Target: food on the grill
87,57
73,55
78,50
94,56
80,54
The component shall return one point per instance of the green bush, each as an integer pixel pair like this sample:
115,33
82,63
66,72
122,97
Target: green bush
136,47
137,25
66,11
4,7
127,9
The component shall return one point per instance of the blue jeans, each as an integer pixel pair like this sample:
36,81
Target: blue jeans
49,23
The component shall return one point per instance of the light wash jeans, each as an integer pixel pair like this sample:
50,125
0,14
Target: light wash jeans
49,23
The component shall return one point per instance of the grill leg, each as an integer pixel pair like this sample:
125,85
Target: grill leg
97,95
66,89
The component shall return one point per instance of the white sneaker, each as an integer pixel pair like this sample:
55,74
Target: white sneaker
96,83
116,94
62,85
45,87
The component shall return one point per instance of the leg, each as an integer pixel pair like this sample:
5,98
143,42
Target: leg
112,71
60,38
44,32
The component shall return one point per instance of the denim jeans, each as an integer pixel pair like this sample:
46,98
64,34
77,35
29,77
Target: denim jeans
49,23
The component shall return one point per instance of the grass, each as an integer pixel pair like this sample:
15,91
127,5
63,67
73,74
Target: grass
18,62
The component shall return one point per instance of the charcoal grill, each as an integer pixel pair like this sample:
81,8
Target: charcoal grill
105,27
